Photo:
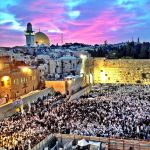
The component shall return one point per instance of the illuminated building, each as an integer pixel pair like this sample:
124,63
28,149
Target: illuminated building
41,39
29,33
16,78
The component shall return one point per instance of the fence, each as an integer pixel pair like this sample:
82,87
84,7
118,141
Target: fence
111,143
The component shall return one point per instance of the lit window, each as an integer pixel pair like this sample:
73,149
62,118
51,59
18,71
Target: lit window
21,80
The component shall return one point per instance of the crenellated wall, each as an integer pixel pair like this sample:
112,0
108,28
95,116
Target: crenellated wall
125,71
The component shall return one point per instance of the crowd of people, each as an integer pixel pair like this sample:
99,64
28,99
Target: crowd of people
25,129
114,111
120,111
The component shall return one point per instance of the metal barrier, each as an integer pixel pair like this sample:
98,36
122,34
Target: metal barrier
111,143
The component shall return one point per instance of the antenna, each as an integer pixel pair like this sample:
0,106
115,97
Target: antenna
62,38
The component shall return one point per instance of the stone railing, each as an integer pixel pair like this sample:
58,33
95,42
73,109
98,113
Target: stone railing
42,144
80,93
10,108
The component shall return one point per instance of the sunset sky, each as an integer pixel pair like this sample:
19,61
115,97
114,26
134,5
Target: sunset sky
86,21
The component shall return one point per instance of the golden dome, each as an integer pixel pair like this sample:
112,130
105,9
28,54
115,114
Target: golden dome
41,38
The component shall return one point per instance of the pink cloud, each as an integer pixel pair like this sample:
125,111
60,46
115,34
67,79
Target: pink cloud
107,25
98,29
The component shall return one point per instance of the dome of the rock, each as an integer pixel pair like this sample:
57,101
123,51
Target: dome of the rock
41,38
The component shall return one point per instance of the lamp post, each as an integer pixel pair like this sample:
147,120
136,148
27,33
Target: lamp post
69,86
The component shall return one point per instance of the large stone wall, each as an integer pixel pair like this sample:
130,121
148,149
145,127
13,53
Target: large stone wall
58,86
125,71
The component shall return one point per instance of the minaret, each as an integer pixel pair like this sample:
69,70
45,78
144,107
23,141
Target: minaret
138,40
29,33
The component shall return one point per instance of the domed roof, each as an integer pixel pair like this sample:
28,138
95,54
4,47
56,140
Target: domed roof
41,38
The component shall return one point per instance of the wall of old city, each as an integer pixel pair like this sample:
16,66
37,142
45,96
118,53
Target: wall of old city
69,85
124,71
58,86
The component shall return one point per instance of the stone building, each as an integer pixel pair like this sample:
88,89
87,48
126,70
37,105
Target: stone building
124,71
16,78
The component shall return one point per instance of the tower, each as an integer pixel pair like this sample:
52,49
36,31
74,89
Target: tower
62,38
138,40
29,33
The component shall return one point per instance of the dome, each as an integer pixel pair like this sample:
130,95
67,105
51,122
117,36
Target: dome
41,38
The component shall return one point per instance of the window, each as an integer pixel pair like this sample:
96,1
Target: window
30,78
21,80
17,81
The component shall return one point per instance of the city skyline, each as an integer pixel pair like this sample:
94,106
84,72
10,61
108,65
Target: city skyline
83,21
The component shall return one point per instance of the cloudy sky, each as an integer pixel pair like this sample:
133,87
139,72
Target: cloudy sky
87,21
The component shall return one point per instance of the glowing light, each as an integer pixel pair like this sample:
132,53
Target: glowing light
70,81
91,78
103,76
83,56
17,109
26,70
5,78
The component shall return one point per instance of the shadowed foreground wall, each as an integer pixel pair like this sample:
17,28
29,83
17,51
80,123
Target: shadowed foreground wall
58,86
126,71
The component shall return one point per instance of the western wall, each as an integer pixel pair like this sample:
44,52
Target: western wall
124,71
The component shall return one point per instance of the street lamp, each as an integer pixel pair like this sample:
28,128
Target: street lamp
69,86
83,57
